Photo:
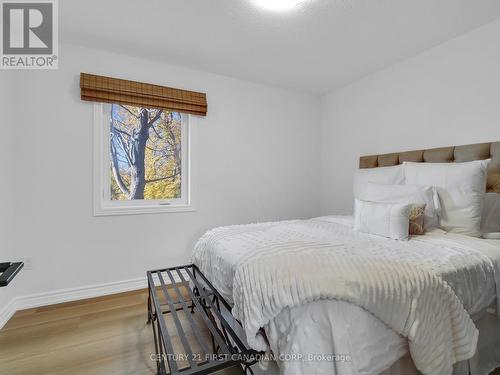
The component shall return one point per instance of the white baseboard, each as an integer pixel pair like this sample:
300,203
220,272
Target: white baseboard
7,312
68,295
74,294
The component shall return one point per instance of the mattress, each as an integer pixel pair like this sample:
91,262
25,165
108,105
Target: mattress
360,342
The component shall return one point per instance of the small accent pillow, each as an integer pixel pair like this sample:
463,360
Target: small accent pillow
417,214
416,194
384,175
383,219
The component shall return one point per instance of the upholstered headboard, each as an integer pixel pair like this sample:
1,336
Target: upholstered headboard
478,151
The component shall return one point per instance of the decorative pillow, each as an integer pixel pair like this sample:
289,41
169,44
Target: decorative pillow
383,219
383,175
490,221
461,188
416,194
417,214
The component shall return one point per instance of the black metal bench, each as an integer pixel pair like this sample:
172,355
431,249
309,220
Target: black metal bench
202,301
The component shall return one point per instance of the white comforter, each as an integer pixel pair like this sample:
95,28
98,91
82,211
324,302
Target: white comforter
321,327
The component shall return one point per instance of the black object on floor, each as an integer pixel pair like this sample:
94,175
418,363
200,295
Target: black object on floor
8,271
206,304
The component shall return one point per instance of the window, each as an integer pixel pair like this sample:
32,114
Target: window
143,160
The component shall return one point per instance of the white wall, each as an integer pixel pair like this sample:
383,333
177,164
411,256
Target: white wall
449,95
7,93
255,157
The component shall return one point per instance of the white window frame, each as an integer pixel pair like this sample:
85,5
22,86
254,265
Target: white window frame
104,206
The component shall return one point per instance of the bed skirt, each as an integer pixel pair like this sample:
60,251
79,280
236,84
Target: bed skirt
486,359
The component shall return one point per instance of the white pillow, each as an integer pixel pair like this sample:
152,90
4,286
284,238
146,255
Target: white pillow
383,219
461,188
406,194
383,175
490,221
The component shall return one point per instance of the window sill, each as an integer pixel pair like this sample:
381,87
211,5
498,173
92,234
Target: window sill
141,210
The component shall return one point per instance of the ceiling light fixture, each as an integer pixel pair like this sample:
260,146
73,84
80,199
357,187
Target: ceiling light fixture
278,4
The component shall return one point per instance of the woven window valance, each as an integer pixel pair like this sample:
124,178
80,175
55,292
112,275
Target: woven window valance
113,90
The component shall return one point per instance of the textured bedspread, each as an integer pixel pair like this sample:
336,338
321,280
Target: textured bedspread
416,287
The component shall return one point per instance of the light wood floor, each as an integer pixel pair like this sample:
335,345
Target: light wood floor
106,335
100,336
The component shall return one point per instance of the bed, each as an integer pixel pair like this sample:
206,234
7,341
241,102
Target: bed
311,329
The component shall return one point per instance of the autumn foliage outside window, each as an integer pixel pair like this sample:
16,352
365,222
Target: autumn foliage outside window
145,155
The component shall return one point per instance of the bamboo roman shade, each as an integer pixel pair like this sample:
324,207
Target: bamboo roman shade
113,90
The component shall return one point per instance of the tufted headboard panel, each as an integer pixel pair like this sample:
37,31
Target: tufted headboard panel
452,154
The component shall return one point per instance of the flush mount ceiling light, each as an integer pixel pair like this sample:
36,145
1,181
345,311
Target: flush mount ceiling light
278,4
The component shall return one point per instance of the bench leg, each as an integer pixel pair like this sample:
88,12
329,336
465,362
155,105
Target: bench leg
149,308
247,370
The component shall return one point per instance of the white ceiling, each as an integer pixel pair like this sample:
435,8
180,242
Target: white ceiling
318,46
